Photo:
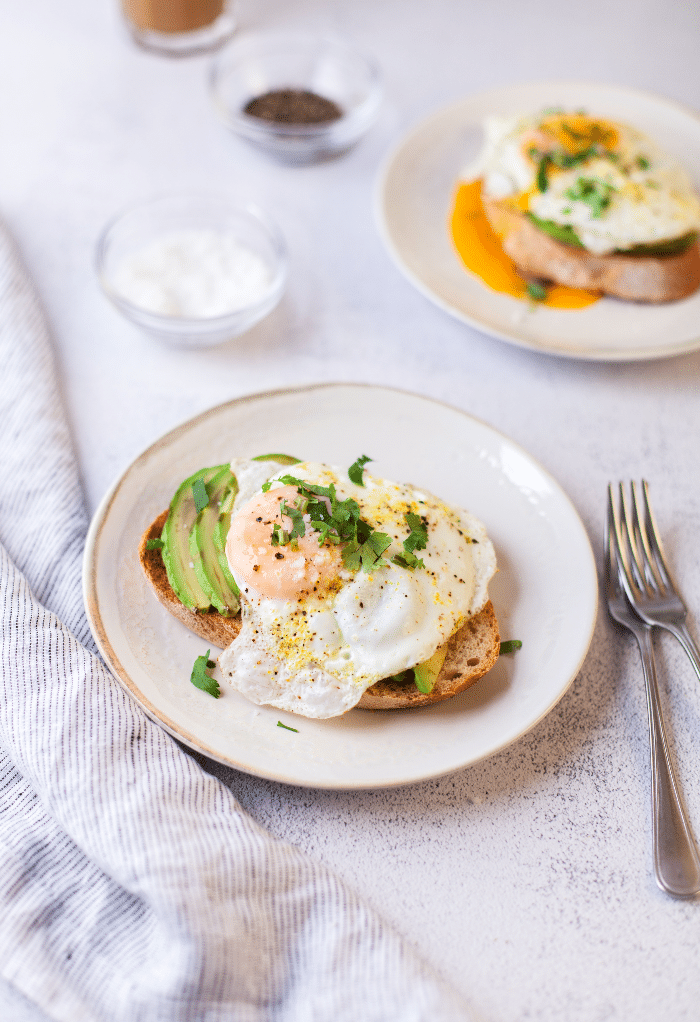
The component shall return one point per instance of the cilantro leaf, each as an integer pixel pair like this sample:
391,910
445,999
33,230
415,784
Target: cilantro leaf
538,292
510,646
297,515
357,468
154,544
200,678
199,492
418,536
417,540
408,560
336,521
287,728
594,192
542,182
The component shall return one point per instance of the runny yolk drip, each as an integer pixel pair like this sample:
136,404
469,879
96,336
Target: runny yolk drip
482,254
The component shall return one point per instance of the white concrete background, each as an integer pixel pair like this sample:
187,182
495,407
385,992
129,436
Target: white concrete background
526,880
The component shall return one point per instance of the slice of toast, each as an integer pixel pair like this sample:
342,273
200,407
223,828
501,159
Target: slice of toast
639,278
471,652
218,630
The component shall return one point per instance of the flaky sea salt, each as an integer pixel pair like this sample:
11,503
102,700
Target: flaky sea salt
193,274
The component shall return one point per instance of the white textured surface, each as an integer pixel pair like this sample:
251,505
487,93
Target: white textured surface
527,878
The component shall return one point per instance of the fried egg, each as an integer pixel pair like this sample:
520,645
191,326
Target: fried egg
319,629
607,183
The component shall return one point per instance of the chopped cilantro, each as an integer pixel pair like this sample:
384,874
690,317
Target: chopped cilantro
559,157
296,513
577,136
287,728
154,544
536,291
199,492
510,646
417,540
357,468
200,678
542,182
643,163
594,192
341,523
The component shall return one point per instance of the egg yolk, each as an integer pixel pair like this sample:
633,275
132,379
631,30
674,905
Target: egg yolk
482,253
278,572
575,133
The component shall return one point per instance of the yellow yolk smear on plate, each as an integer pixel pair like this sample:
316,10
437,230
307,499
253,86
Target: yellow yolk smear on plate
481,252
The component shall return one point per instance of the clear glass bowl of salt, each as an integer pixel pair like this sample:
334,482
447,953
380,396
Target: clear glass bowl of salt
193,270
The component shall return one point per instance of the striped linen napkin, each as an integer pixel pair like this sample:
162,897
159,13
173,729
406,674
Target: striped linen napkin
132,885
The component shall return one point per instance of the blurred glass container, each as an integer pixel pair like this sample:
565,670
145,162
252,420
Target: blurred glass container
179,28
191,220
263,64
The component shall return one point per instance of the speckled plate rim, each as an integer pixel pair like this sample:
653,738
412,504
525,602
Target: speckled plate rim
541,516
413,197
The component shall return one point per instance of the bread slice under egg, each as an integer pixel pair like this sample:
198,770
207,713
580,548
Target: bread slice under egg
471,652
639,278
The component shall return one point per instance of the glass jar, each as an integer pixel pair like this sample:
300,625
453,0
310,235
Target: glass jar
179,27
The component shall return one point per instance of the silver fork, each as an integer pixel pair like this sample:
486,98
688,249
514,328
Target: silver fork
676,861
646,576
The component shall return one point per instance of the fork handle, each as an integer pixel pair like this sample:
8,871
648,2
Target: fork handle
676,861
687,642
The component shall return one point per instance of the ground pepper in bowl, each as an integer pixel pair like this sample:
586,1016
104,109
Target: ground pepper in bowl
293,106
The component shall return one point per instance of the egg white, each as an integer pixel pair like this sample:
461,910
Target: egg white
653,199
317,655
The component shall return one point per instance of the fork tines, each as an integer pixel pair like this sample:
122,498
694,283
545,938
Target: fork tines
638,541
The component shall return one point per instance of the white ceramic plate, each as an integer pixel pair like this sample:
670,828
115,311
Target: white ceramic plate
545,592
414,201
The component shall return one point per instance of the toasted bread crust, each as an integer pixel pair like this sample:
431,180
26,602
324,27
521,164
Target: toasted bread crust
471,652
635,278
220,631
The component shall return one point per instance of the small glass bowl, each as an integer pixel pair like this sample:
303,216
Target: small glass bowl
256,64
144,225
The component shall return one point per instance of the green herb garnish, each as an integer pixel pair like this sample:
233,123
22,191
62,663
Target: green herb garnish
559,157
200,678
287,728
538,292
594,192
199,492
363,546
417,540
510,646
357,468
643,163
154,544
341,523
542,182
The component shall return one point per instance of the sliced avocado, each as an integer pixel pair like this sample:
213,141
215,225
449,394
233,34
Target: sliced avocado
176,536
662,248
560,232
281,459
221,532
426,673
203,549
